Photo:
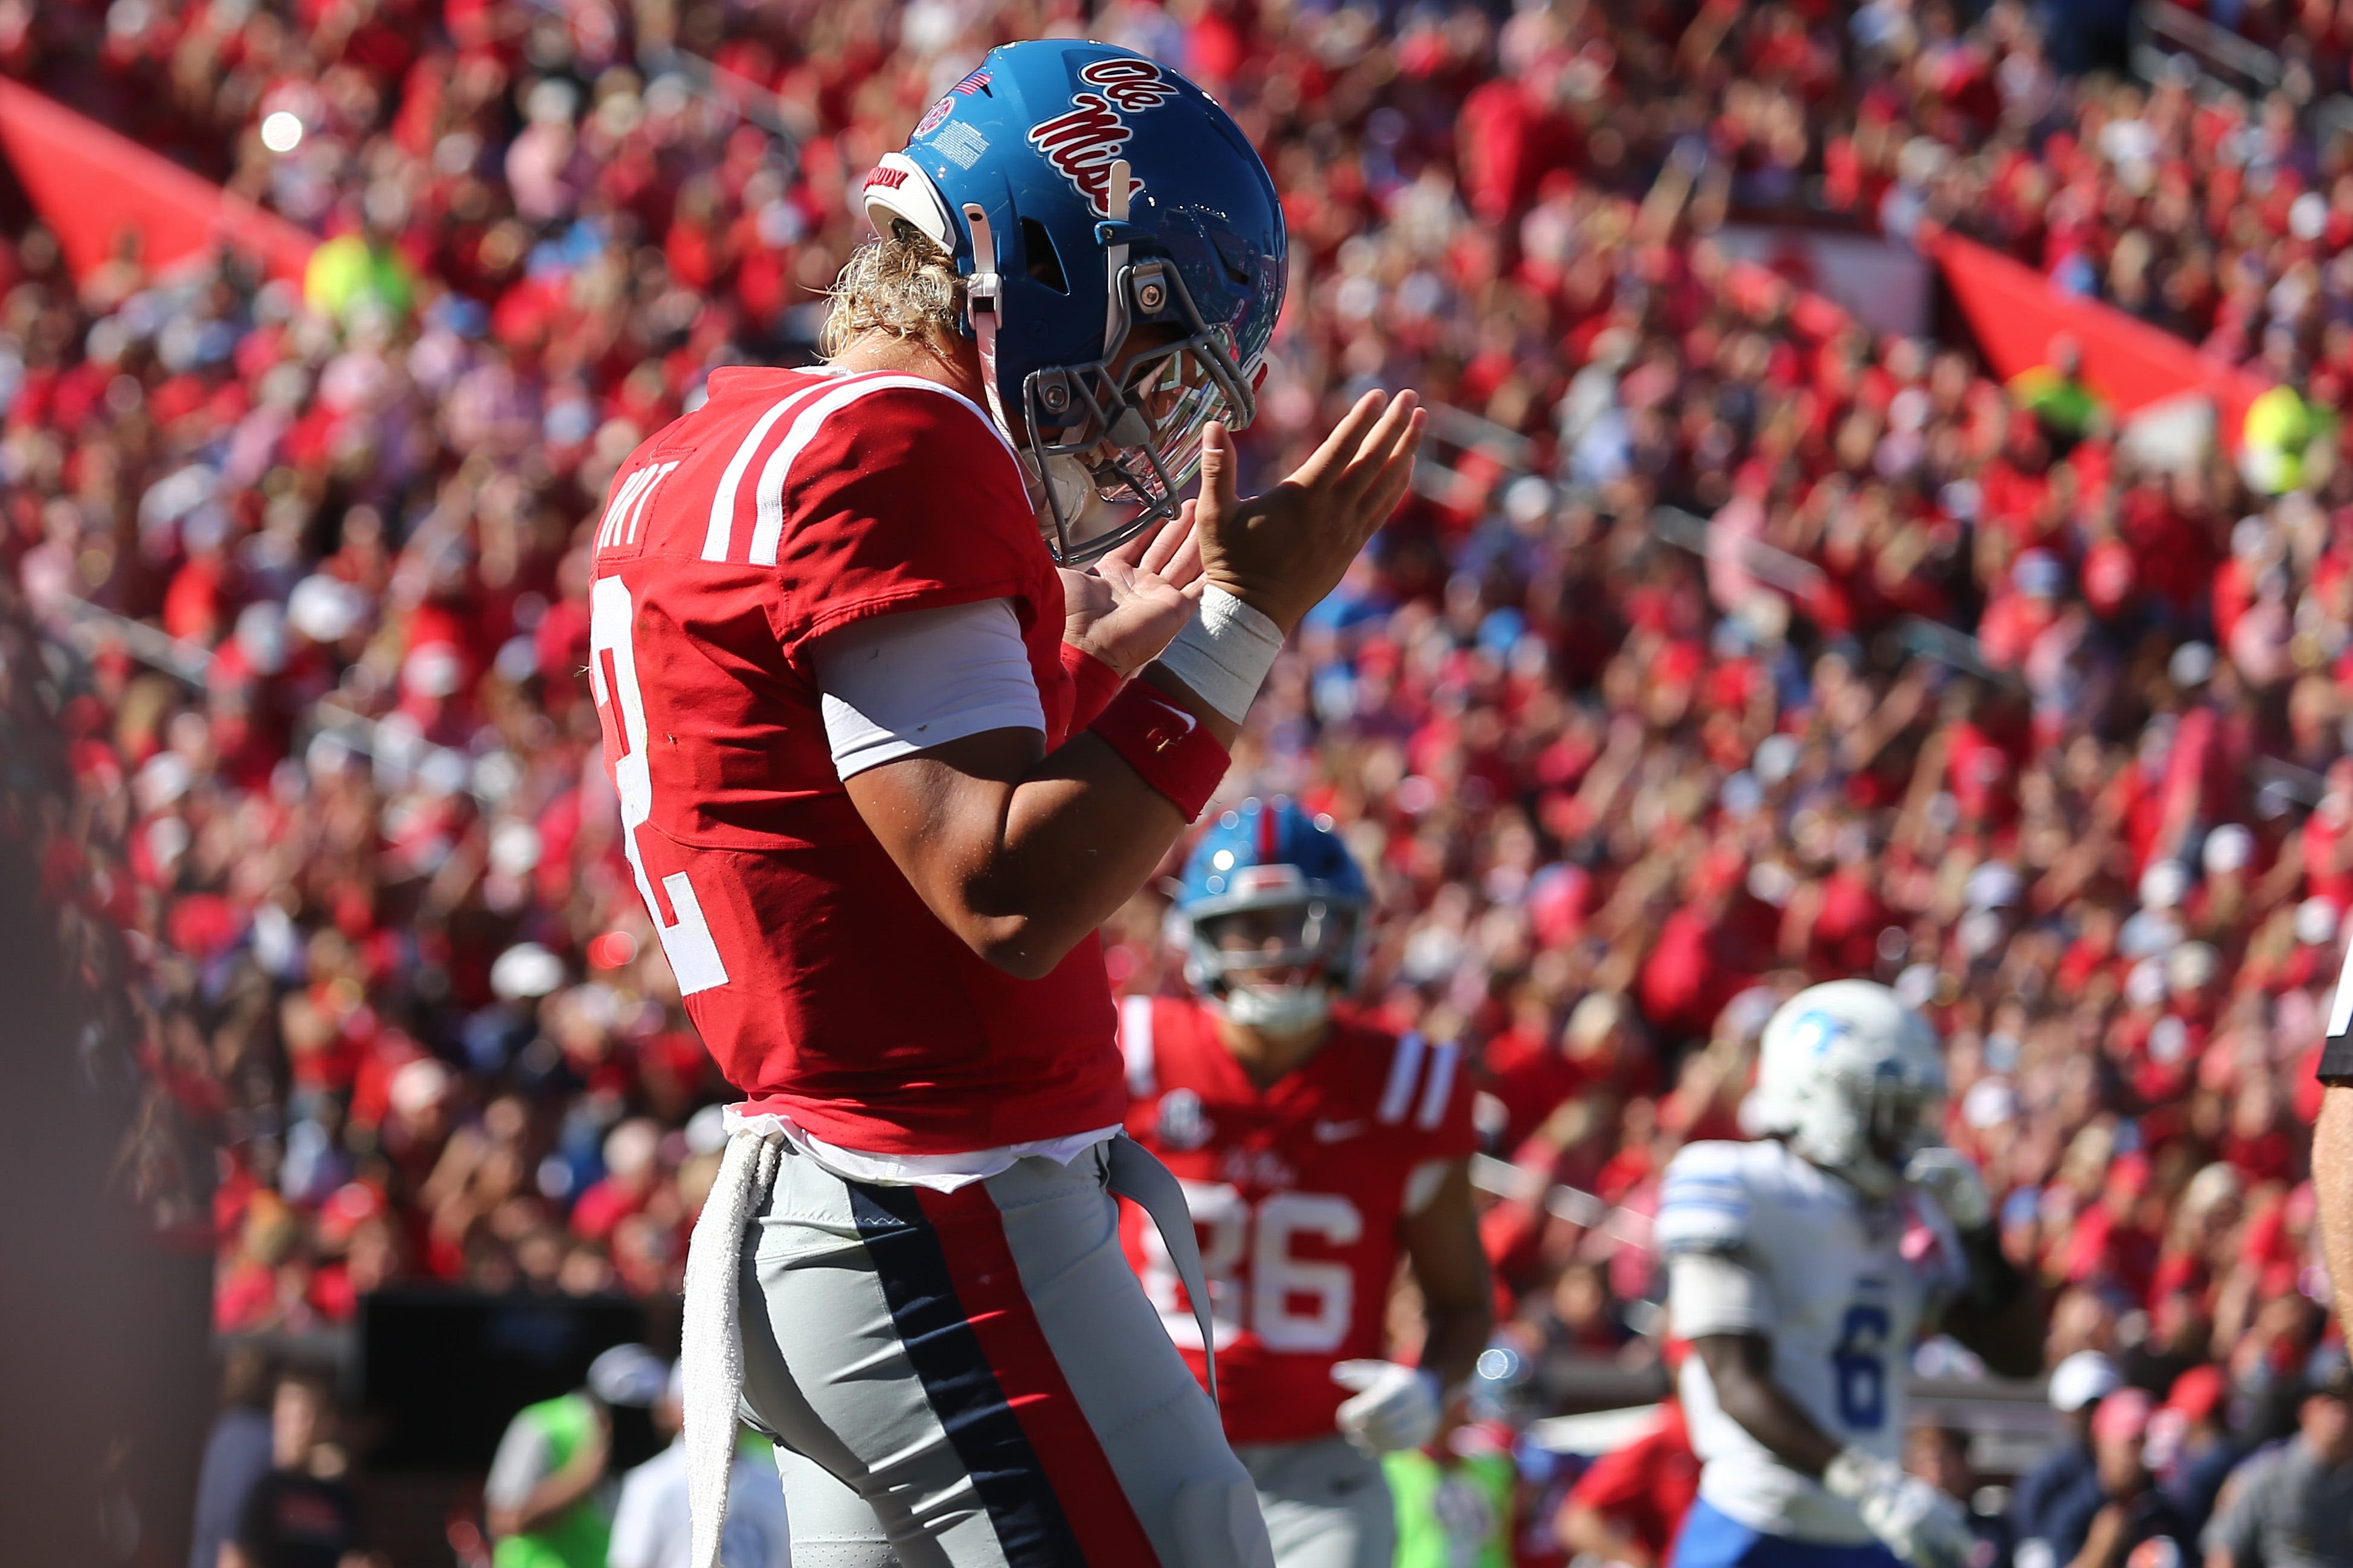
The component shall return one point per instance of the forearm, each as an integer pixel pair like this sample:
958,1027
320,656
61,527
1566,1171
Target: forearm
2332,1181
1455,1337
1072,843
1737,1367
1774,1419
2001,1317
1022,853
1449,1266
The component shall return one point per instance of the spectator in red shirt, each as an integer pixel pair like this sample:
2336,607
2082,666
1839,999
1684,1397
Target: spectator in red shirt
1629,1507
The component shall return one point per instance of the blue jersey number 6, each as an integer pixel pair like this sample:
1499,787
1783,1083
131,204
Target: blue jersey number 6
1860,1367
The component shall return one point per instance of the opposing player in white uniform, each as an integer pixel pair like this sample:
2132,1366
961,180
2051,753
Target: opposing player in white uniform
1804,1267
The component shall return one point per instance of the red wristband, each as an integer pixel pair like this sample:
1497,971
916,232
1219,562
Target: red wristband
1093,684
1164,744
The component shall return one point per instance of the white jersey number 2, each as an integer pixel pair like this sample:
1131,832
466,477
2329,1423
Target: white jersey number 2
686,938
1289,1304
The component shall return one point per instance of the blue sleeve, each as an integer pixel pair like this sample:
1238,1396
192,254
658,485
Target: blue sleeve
1703,1204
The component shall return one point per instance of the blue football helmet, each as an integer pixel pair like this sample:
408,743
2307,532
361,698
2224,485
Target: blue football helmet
1087,192
1268,887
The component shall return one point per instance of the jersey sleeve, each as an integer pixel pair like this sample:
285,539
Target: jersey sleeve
1441,1112
904,499
898,684
1704,1203
1711,1293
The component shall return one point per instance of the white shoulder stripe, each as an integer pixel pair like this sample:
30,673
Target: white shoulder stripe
768,527
1135,1045
1404,1068
608,532
637,512
1441,1085
719,537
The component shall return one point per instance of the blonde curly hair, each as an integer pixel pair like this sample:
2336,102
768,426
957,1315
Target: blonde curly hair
900,283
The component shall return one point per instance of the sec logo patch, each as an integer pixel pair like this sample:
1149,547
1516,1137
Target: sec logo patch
1182,1125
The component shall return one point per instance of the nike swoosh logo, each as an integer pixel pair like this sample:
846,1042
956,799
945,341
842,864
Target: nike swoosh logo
1334,1131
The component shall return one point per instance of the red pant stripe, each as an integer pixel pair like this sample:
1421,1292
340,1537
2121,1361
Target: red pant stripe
971,1234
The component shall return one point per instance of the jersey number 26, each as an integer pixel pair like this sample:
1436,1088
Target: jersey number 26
1291,1304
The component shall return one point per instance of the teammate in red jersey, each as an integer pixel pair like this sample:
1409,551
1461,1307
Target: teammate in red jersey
881,778
1316,1150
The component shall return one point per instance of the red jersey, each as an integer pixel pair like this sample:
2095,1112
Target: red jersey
1647,1485
788,505
1298,1193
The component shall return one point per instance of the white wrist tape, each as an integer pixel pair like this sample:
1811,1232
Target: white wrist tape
1224,652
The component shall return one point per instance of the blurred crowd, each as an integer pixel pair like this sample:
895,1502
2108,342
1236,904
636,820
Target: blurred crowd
1953,695
2219,216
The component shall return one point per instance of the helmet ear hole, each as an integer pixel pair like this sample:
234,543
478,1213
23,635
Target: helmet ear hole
1039,256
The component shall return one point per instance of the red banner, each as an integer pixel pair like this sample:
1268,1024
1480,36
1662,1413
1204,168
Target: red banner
92,186
2015,313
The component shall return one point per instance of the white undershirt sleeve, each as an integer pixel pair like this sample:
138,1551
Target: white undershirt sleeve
1708,1293
901,683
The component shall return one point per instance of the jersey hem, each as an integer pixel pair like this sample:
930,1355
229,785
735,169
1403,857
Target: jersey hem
1779,1529
945,1128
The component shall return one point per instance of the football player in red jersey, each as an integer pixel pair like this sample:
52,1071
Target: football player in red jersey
881,775
1316,1149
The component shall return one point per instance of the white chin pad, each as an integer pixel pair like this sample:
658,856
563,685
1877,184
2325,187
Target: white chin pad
1086,516
898,188
1281,1008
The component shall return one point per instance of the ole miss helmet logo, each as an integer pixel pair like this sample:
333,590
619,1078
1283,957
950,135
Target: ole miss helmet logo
1085,142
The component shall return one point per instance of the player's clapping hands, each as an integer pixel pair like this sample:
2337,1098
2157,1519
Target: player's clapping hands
1126,609
1281,552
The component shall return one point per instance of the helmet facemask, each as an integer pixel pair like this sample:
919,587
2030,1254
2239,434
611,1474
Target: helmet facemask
1274,966
1116,445
1867,1125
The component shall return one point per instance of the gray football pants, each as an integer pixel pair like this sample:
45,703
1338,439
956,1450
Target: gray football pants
1326,1505
974,1379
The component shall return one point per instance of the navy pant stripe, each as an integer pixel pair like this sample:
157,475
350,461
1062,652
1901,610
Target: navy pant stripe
956,1376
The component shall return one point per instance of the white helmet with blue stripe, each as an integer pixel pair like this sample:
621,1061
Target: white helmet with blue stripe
1853,1080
